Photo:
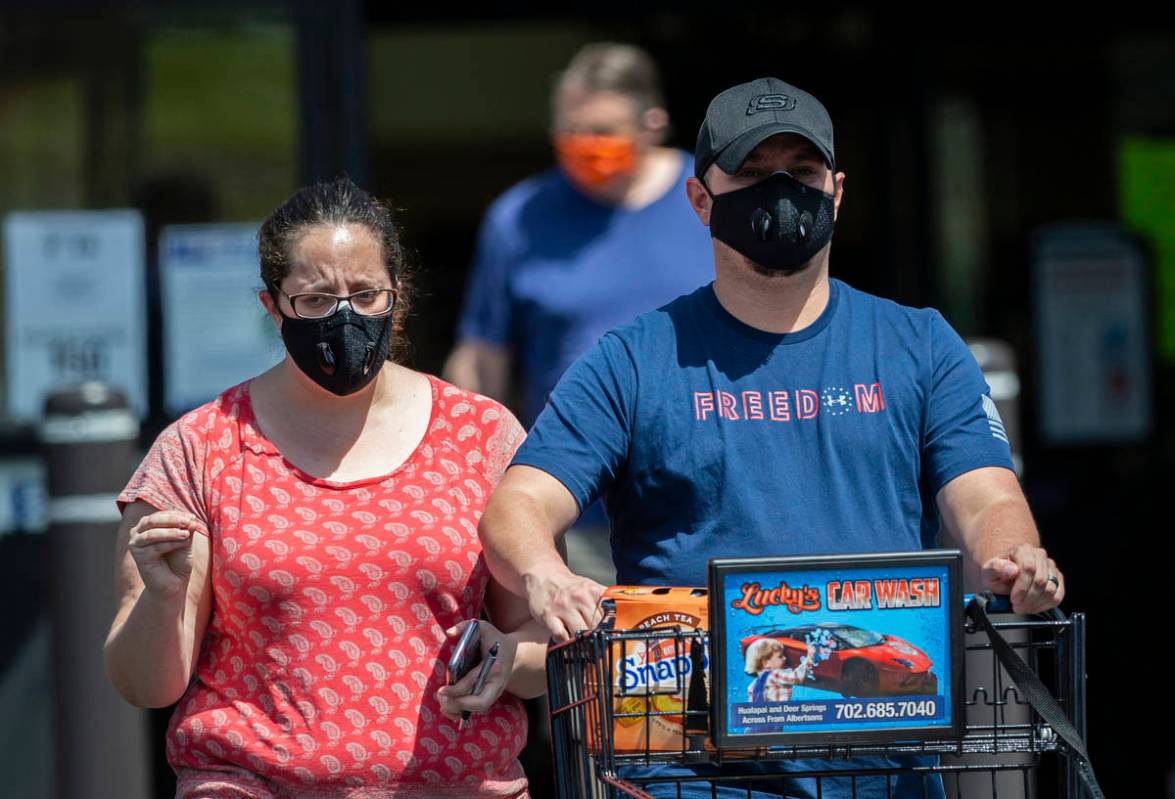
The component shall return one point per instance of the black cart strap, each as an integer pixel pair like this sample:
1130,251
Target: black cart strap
1037,694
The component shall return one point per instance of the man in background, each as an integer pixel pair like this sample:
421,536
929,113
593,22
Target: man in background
570,253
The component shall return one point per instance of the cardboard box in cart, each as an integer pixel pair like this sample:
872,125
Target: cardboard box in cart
654,680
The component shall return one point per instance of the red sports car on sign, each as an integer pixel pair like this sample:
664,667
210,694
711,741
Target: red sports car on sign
859,662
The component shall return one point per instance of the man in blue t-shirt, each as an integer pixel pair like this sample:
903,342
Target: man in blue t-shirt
775,411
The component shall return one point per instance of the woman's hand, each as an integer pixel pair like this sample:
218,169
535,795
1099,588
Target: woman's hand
161,544
455,699
164,591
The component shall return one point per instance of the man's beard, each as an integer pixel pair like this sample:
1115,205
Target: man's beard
768,272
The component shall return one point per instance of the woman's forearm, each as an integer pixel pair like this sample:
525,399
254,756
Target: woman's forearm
529,677
148,653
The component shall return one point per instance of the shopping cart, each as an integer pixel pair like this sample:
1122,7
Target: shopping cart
1007,747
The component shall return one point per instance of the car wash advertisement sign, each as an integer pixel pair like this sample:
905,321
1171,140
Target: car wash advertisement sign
861,648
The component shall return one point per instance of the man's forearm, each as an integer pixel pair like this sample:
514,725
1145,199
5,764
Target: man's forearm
986,513
1000,527
480,367
518,539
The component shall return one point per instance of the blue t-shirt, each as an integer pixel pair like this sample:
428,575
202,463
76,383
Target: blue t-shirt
554,270
709,438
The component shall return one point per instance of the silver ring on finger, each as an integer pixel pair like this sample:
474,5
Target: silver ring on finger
1055,580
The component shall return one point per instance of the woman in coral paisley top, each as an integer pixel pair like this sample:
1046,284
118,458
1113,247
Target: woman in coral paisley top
298,556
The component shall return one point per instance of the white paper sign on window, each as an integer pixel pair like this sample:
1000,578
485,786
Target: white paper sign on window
75,309
215,331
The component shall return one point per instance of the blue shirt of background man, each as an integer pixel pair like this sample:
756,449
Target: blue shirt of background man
709,438
554,270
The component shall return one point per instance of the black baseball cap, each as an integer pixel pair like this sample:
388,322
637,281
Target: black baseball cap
741,117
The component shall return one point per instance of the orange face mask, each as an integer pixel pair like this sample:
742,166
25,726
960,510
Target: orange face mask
591,160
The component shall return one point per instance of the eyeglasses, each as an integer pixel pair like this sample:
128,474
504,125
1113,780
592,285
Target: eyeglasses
317,305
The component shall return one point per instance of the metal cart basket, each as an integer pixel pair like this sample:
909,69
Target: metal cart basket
1007,749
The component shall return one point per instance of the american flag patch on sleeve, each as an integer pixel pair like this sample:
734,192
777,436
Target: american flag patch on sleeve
993,418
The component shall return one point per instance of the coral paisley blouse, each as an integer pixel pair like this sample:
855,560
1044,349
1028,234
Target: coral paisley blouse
326,642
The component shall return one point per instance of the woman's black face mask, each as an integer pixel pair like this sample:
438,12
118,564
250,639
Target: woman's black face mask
779,223
342,352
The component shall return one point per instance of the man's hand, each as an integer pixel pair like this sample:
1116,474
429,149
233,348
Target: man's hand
565,603
1029,576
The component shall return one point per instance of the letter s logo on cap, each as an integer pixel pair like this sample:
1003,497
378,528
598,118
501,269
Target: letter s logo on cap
770,102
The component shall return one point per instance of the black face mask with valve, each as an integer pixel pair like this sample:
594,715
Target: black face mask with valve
779,223
342,352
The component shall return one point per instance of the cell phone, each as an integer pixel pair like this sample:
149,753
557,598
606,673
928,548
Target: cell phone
466,654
